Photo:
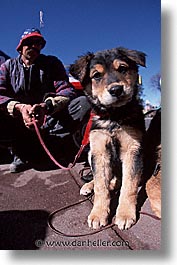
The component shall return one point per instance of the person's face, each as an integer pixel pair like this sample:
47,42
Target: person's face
31,48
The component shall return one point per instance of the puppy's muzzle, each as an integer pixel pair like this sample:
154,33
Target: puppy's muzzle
116,91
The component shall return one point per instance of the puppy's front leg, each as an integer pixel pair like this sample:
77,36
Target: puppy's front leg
100,160
131,173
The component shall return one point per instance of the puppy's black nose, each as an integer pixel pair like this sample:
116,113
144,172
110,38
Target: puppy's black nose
116,91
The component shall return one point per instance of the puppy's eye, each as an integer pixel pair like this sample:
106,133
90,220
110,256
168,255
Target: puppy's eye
122,69
97,76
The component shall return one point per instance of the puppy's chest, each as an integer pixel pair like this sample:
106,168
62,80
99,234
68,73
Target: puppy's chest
108,126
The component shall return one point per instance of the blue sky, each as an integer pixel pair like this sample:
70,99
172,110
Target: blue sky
73,27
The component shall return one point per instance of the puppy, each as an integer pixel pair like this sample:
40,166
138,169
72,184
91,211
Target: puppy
110,81
153,186
152,163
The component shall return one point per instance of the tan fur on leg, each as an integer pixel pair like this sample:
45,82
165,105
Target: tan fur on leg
102,174
126,211
153,190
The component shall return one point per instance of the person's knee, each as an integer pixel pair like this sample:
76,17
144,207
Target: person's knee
79,108
84,100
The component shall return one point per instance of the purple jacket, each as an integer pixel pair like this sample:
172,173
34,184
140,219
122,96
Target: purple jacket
46,77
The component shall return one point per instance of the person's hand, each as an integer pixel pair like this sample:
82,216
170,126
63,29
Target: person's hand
25,110
38,112
32,113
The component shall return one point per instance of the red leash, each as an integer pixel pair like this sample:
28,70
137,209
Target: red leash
85,141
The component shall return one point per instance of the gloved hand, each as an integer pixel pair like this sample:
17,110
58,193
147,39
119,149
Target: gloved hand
56,104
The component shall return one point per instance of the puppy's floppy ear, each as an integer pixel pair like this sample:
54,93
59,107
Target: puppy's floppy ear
80,68
136,56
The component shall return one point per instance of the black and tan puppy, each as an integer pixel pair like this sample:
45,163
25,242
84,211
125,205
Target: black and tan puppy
110,80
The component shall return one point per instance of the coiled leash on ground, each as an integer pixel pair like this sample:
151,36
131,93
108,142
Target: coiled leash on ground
57,231
85,141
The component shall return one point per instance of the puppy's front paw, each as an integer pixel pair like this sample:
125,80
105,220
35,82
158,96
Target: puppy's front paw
97,219
87,188
125,219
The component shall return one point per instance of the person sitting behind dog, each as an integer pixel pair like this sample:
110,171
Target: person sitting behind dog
32,86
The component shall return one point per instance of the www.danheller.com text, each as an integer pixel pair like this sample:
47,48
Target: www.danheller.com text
81,243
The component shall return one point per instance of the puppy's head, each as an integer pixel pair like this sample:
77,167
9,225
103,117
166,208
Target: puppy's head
109,77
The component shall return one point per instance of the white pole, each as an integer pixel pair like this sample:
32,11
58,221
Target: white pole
41,19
